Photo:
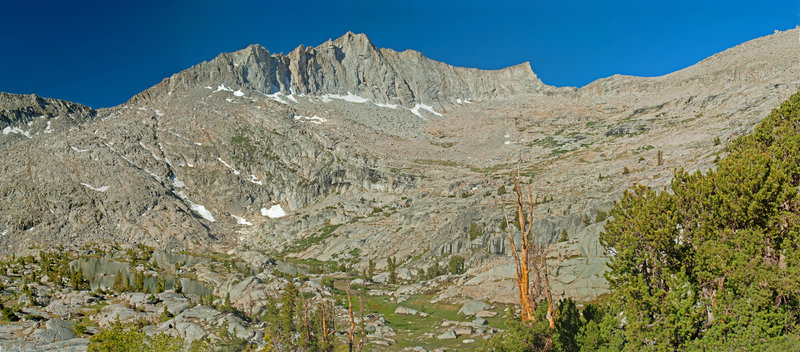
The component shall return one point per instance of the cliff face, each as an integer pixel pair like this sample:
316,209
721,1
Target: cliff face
353,65
346,152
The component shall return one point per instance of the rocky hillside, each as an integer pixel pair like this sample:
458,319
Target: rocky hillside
345,153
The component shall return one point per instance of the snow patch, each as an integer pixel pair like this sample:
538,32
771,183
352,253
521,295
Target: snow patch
159,113
5,232
507,142
80,150
273,212
229,100
425,107
147,171
149,150
313,119
350,97
242,221
16,130
209,87
202,211
291,97
238,93
277,97
176,182
390,106
99,189
255,180
47,129
235,172
222,87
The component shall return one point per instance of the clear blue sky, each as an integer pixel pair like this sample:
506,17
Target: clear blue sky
102,53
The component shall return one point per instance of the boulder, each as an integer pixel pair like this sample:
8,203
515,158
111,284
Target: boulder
115,312
479,321
463,330
55,330
190,331
447,335
485,314
176,303
405,310
473,307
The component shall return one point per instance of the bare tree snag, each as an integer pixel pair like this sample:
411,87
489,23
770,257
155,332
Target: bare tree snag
350,333
325,333
531,259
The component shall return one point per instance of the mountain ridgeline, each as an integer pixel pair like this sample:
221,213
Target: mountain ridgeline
352,64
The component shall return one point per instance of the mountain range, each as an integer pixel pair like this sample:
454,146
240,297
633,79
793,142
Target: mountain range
348,153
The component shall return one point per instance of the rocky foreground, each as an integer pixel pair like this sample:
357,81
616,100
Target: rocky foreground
50,308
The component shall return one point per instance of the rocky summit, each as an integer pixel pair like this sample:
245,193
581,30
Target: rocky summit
346,154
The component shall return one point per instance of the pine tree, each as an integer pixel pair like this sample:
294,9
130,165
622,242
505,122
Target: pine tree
178,285
391,267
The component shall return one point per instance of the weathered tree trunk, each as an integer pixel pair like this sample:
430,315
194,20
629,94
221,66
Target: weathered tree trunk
350,333
531,257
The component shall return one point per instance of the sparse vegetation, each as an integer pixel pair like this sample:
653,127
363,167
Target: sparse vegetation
474,231
456,265
708,265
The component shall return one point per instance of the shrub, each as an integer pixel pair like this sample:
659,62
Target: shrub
474,231
120,338
601,215
501,190
456,265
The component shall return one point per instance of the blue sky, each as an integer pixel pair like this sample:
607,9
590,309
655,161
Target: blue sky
102,53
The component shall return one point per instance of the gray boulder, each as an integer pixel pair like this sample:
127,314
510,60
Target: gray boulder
176,303
447,335
473,307
55,330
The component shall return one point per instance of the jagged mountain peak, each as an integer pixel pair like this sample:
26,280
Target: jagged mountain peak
351,38
352,64
16,108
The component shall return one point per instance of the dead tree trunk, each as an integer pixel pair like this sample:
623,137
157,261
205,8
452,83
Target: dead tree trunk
531,259
350,333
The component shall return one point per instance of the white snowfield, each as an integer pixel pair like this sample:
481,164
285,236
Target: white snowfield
16,130
313,119
277,97
98,189
415,110
255,180
235,172
222,87
390,106
273,212
241,221
326,98
202,211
